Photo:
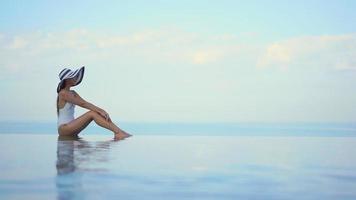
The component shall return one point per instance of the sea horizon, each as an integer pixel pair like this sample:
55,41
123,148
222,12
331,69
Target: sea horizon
320,129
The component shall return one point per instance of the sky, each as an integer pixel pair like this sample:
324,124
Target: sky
182,61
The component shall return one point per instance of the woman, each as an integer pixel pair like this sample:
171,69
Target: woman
66,101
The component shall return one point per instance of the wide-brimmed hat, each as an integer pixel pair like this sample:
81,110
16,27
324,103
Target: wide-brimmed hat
68,73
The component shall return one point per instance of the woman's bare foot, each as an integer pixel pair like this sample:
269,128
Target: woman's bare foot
127,134
121,135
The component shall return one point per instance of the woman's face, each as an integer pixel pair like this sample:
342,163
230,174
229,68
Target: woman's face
71,81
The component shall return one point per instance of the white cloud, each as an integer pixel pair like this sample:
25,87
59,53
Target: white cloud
169,73
276,54
154,46
319,52
18,43
170,45
205,56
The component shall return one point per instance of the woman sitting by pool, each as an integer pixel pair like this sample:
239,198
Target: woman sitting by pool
66,101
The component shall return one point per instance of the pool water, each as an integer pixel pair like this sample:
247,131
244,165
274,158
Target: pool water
39,166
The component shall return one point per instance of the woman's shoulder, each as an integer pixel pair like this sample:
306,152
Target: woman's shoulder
64,94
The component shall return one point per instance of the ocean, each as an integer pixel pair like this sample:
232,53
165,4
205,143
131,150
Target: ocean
179,128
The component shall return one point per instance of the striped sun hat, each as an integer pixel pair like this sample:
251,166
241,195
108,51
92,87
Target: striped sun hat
68,73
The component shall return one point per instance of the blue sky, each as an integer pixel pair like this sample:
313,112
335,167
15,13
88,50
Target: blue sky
277,18
191,61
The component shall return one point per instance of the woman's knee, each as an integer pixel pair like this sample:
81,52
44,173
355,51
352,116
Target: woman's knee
92,114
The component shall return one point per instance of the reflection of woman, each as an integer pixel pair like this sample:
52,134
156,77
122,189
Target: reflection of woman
72,149
65,154
66,101
71,152
67,189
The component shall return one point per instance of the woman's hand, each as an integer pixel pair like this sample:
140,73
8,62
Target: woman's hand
74,97
104,114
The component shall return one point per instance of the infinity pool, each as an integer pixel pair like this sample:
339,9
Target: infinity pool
38,166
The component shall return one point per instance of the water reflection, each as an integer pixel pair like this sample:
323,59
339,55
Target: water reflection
75,156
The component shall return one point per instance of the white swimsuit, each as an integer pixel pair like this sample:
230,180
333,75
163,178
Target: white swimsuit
65,114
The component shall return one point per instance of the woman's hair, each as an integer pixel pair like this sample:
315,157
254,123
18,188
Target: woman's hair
62,86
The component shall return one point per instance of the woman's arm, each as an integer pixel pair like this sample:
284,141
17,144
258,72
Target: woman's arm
73,97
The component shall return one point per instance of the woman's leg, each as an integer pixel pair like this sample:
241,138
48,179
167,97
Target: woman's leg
78,124
101,121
